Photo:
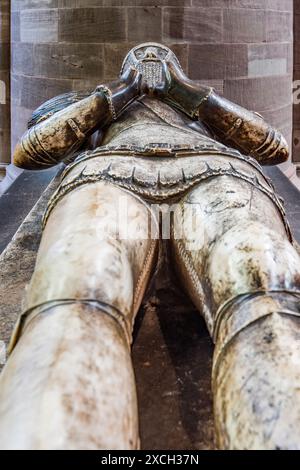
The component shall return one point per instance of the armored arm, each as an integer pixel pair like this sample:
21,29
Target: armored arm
55,137
233,125
243,129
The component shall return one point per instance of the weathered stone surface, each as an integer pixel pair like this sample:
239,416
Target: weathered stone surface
172,351
15,27
38,90
5,57
4,118
31,4
146,24
269,59
279,117
244,26
5,144
17,263
5,21
81,3
192,24
39,25
22,59
20,123
147,3
68,60
175,377
296,114
114,54
92,25
5,81
297,37
258,93
218,61
279,27
58,60
5,89
281,5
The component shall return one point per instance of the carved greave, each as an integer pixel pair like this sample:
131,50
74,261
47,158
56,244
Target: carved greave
256,377
47,308
69,383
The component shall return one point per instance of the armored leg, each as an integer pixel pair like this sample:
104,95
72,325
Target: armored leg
69,383
243,273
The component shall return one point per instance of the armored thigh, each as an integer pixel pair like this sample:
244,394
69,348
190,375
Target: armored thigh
234,251
231,238
96,248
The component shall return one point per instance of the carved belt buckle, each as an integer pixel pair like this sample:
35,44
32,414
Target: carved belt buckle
167,150
162,150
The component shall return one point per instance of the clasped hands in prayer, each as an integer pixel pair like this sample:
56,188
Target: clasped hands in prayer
175,88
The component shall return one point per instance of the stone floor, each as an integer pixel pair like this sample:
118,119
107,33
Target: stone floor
172,351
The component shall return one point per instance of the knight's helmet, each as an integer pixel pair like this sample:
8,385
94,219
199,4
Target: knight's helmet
148,58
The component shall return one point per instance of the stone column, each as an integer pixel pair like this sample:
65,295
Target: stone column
296,127
4,86
243,48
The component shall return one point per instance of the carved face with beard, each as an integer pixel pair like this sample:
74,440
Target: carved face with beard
148,59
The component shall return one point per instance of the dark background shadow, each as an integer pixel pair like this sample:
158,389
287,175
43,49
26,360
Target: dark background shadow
172,356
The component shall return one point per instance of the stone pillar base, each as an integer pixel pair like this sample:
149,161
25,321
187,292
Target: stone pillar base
292,172
11,173
3,170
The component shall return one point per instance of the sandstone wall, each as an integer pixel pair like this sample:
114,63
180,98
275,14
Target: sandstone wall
296,114
4,84
243,47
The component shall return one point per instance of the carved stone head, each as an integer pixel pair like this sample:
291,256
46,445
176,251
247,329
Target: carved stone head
147,58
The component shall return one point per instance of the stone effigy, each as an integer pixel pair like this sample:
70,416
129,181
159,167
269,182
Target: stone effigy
153,156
